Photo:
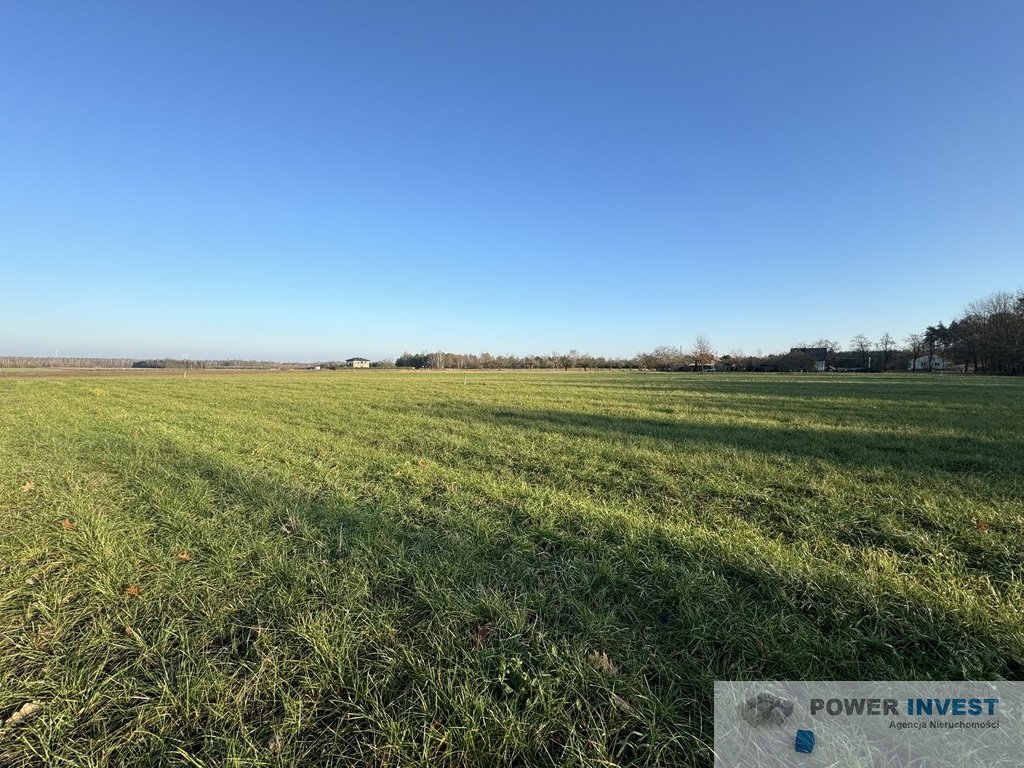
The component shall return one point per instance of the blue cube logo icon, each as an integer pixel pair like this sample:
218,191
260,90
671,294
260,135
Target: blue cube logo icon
804,741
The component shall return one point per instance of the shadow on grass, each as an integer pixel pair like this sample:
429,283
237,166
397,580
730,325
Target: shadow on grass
899,388
988,469
997,466
672,614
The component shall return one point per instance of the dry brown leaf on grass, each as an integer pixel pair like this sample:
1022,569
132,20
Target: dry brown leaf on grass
621,704
483,631
133,590
26,713
68,525
602,663
27,486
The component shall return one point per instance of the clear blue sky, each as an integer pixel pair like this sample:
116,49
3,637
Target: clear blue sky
313,181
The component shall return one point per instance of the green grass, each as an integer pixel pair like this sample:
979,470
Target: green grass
411,569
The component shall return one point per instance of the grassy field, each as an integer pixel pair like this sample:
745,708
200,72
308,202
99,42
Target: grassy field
413,569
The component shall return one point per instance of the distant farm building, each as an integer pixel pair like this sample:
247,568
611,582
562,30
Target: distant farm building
929,363
804,359
357,362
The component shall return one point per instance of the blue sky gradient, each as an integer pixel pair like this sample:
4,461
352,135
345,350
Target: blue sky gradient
315,181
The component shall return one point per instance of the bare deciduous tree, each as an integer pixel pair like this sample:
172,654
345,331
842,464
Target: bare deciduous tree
886,343
915,343
702,352
862,344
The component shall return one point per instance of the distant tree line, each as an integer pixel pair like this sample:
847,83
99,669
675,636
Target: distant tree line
167,362
486,361
988,337
333,365
25,361
662,358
